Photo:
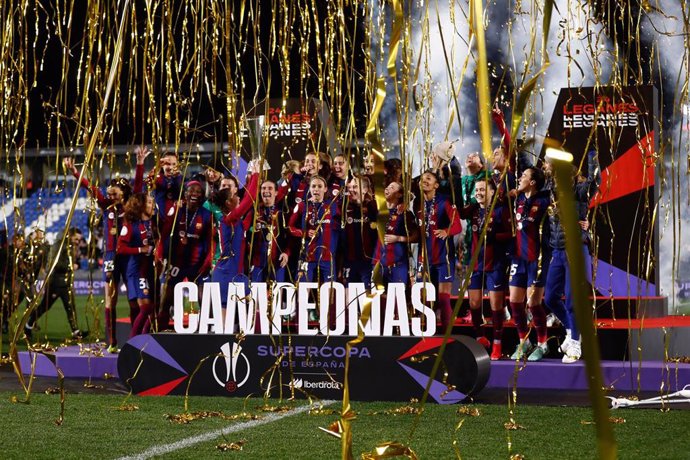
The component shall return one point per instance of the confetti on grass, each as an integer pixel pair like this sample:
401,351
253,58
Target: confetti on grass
471,411
230,446
390,450
128,408
513,426
200,415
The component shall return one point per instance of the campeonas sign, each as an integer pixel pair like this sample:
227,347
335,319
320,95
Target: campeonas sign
249,309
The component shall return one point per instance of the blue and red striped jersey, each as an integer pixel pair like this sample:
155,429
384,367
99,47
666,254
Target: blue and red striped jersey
324,219
113,213
295,189
166,191
504,185
232,227
188,238
269,236
133,236
531,221
492,250
401,222
438,214
360,232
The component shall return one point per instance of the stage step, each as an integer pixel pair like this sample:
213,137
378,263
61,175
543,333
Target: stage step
75,361
92,361
618,375
606,307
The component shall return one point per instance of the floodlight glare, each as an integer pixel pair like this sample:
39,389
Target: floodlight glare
556,154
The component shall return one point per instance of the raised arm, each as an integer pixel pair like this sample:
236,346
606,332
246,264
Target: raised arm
499,120
141,153
247,202
68,163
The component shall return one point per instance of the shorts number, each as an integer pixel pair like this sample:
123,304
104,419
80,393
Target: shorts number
346,273
143,283
109,265
513,269
174,271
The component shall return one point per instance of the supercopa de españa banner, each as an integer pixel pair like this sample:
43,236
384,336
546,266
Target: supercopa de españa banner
249,310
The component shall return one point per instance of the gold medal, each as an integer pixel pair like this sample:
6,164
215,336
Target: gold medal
113,231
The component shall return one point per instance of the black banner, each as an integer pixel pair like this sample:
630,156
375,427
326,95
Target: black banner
621,125
381,368
292,129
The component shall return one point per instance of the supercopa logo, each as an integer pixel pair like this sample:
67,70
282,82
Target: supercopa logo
231,367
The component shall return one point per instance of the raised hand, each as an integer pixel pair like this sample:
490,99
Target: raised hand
68,163
141,152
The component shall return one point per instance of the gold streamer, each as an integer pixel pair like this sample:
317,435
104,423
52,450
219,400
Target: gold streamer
590,346
484,108
89,155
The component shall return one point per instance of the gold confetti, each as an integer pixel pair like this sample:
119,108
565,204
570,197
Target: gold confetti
96,350
411,408
278,409
52,391
322,411
92,386
614,420
39,347
334,429
390,450
128,408
512,426
200,415
471,411
230,446
517,457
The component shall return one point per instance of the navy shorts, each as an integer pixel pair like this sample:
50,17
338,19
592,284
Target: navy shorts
399,273
114,268
492,281
441,273
174,275
140,287
358,272
314,271
263,274
525,274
